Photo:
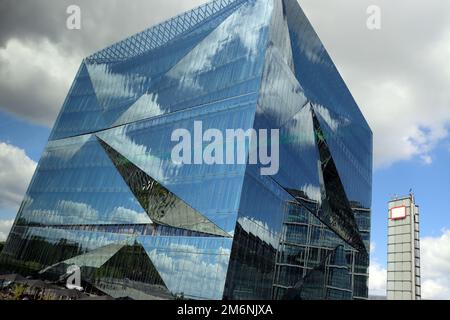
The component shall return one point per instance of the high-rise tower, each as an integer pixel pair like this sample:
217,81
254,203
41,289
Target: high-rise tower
403,277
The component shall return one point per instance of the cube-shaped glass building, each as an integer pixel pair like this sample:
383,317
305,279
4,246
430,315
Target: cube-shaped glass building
107,197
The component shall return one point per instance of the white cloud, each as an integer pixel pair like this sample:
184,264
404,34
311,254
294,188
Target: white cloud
39,56
435,269
325,114
377,279
67,148
244,24
109,85
260,229
396,74
141,155
35,78
5,227
16,170
399,75
426,159
70,212
373,247
436,290
435,260
313,192
73,212
176,266
145,107
129,216
66,212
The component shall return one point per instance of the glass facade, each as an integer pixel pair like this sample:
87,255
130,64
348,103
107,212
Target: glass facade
107,197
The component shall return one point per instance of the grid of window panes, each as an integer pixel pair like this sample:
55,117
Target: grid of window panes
403,272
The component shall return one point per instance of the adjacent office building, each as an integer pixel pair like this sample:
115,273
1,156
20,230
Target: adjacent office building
107,197
403,274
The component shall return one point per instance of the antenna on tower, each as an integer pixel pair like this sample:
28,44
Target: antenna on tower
411,194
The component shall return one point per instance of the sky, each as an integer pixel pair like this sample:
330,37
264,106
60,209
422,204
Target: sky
398,74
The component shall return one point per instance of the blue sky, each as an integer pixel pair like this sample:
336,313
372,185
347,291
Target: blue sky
23,134
430,186
399,76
